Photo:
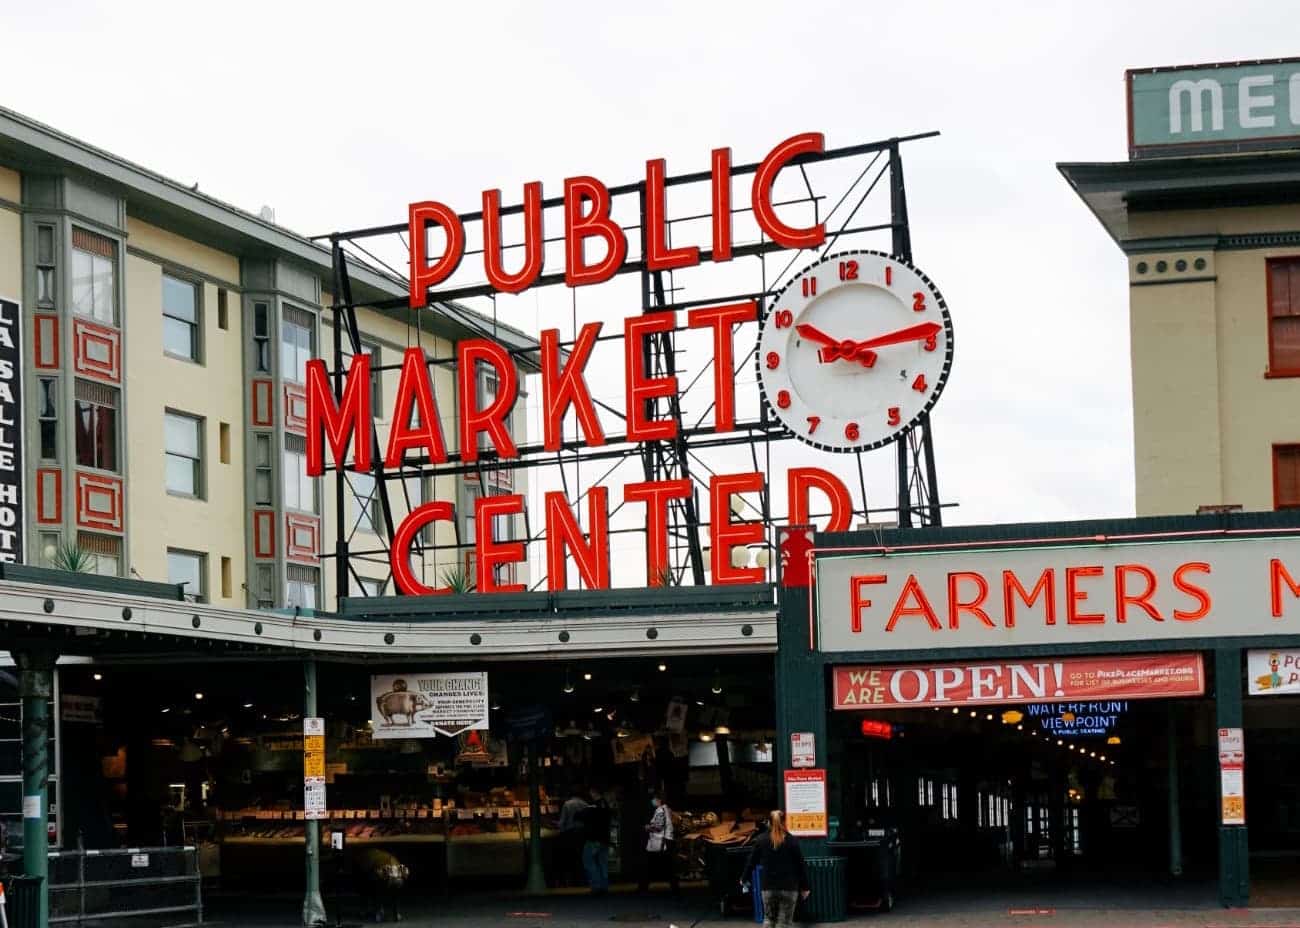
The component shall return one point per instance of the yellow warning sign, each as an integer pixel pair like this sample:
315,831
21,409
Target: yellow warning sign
313,756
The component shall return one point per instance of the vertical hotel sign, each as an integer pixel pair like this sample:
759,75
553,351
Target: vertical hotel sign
12,525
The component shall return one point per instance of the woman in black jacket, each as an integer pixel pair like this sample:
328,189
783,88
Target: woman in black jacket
785,878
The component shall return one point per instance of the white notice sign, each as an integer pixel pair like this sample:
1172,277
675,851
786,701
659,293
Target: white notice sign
313,798
803,749
424,705
1232,747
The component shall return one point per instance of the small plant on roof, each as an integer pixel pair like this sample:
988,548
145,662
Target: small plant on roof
457,579
70,557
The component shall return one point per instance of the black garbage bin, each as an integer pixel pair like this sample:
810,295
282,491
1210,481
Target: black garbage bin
871,867
23,900
828,901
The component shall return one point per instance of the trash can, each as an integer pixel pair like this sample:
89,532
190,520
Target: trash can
828,901
23,900
871,869
726,864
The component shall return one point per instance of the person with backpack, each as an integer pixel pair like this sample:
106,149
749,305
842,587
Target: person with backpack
784,879
595,820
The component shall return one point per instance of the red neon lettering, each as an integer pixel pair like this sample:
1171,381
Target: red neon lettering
1074,597
568,388
1045,587
721,204
800,480
563,531
721,319
656,494
351,418
1124,599
779,232
423,274
415,394
658,256
640,387
534,241
1204,603
956,605
578,227
491,418
492,553
1278,575
857,585
725,534
912,591
399,555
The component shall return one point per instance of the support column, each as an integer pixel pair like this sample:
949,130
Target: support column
313,906
36,688
1175,803
1234,850
536,872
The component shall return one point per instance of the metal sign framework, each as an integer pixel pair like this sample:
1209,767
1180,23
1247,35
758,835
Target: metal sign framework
917,496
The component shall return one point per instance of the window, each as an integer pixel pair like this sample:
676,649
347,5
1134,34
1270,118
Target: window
105,553
227,582
301,587
180,318
418,490
96,426
262,469
49,546
1284,315
183,438
188,568
297,343
365,503
94,276
376,378
47,398
265,592
223,309
262,338
299,489
45,278
1286,476
223,442
367,587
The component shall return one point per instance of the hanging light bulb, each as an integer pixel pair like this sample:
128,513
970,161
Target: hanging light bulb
635,697
762,557
739,556
722,730
568,683
587,677
717,683
663,667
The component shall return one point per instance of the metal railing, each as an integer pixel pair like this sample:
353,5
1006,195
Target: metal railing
96,885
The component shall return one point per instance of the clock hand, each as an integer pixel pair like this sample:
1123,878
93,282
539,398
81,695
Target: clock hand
835,348
814,334
913,333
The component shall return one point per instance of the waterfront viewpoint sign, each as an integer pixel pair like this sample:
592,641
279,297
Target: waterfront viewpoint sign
850,354
1244,106
1090,593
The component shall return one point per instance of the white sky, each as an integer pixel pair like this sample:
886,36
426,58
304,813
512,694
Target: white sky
339,114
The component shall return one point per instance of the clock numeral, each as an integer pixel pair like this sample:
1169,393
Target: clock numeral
918,301
848,270
809,286
783,319
852,432
932,343
813,422
773,360
919,384
889,276
895,415
783,399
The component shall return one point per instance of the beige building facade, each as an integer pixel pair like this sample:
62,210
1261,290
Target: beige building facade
165,340
1211,231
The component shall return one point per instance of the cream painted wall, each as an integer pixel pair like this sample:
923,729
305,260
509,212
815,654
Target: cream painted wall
11,185
212,390
188,253
1233,221
11,255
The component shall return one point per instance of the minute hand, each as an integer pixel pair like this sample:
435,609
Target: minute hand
912,333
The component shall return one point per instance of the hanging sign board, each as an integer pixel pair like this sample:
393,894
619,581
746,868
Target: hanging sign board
803,749
12,515
805,803
1155,676
1273,672
425,705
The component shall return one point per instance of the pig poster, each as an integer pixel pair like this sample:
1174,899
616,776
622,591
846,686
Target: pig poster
424,705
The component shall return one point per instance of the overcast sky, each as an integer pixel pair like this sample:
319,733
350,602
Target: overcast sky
339,114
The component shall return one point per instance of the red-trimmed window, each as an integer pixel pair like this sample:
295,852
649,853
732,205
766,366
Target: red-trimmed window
1284,315
1286,476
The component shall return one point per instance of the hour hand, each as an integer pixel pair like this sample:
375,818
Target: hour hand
814,334
835,348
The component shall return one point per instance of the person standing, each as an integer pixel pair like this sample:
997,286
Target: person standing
569,841
660,847
785,876
595,850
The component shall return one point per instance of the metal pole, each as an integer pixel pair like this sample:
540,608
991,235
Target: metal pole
536,872
36,683
1175,813
313,906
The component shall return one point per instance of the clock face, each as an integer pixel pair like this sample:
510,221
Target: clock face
854,351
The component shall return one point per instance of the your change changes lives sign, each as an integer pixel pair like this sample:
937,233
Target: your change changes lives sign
424,705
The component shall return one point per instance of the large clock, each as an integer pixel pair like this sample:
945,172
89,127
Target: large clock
854,351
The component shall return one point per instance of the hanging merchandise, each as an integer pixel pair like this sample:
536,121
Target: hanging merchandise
675,719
